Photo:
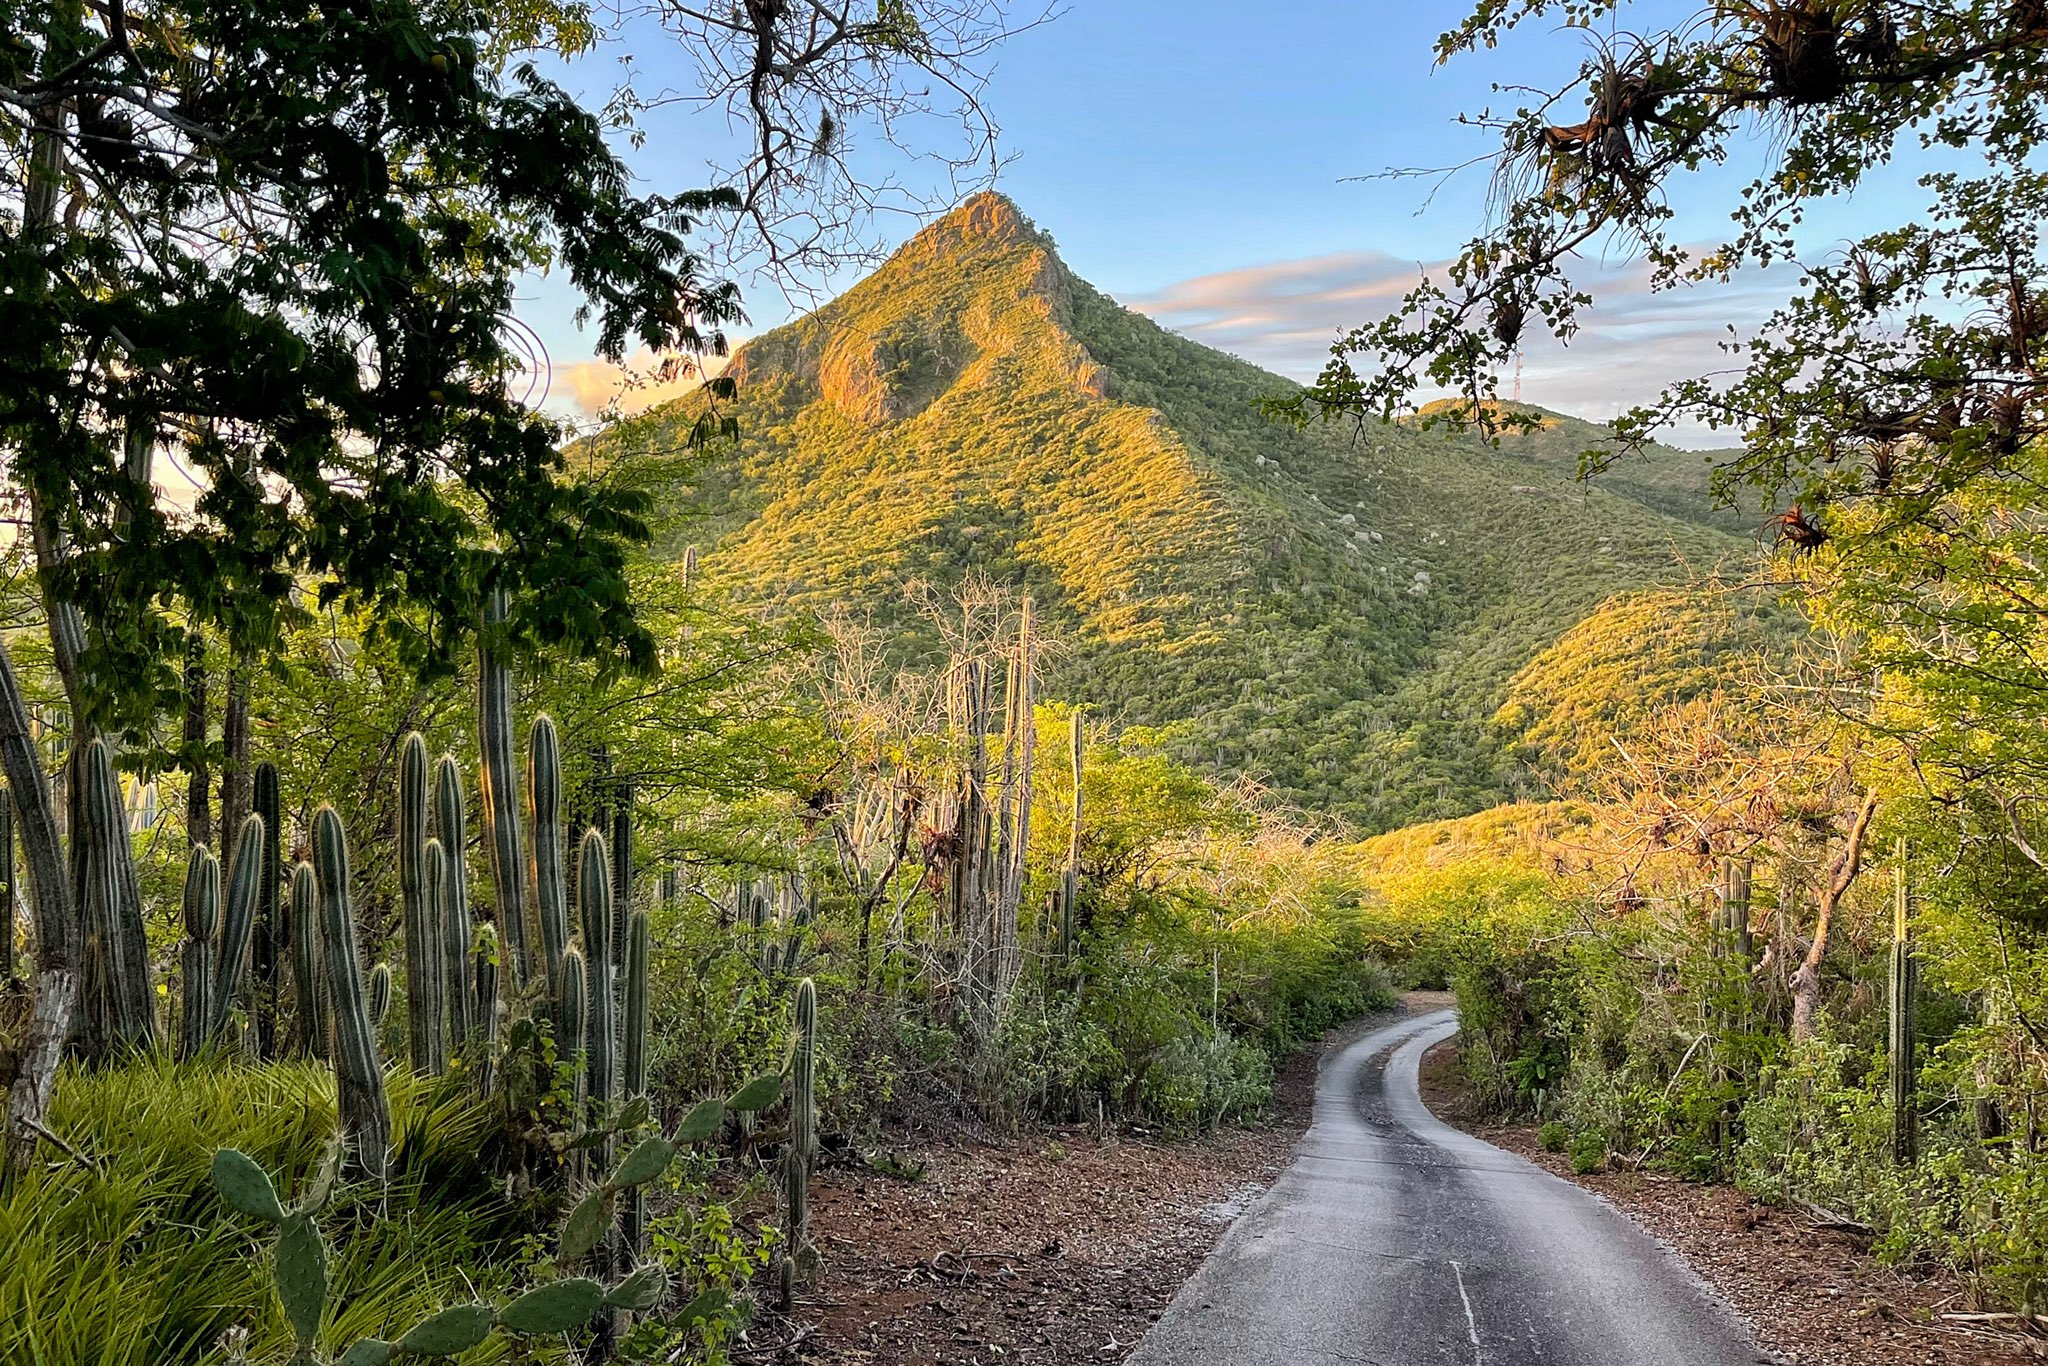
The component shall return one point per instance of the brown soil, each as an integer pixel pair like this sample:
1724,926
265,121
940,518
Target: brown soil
1062,1246
1813,1295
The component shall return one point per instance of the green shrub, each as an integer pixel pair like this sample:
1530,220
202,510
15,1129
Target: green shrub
1588,1151
1554,1135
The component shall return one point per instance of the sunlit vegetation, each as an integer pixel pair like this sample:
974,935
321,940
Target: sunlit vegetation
1336,614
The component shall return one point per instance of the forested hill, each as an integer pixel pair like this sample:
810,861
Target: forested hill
1335,613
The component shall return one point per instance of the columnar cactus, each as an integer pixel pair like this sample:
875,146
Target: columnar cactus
574,1016
426,982
420,916
267,800
202,929
485,1005
238,919
1903,980
1070,876
500,793
1732,923
358,1071
458,936
309,978
594,901
544,802
622,867
633,1027
117,962
800,1255
380,996
7,897
634,1020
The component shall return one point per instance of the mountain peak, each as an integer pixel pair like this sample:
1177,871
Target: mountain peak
987,217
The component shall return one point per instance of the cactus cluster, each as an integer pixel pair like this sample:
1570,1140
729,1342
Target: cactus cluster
218,932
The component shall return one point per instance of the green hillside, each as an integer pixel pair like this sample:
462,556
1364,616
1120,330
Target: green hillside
1339,617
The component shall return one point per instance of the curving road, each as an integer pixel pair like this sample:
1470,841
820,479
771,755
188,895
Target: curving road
1395,1240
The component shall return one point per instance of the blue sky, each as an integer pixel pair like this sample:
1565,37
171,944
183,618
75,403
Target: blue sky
1200,161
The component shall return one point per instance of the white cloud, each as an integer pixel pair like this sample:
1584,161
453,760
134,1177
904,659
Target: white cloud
591,386
1284,315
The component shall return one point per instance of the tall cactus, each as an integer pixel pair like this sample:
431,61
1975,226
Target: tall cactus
1903,980
1070,875
594,901
358,1071
238,918
380,996
484,1041
7,897
800,1255
574,1014
633,1028
500,793
309,981
267,800
426,969
544,804
622,867
117,957
458,936
419,916
202,929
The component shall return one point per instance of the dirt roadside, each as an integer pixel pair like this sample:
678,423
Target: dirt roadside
1812,1295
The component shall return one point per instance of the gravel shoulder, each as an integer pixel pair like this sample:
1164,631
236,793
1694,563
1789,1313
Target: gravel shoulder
1813,1297
1060,1246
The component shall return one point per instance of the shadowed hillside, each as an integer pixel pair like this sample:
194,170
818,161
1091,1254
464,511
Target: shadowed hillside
1337,617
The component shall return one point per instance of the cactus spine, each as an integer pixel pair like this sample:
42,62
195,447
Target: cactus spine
800,1256
500,793
457,934
309,986
117,951
594,900
238,918
420,915
544,801
267,799
639,949
202,926
358,1071
1903,982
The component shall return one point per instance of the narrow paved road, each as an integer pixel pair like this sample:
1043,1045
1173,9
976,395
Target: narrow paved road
1395,1240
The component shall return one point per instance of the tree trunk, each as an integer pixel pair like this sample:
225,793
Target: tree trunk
57,939
28,1104
1806,979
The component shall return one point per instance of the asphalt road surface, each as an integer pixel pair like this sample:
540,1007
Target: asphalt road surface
1395,1240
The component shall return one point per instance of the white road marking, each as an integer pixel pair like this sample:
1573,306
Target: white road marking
1471,1323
